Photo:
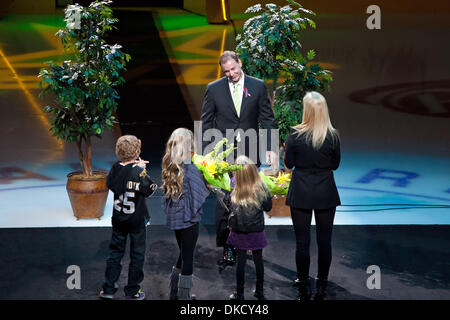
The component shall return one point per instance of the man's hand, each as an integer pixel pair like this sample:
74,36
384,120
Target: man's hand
272,159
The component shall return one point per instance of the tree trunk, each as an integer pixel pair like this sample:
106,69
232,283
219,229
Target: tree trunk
88,154
270,92
85,155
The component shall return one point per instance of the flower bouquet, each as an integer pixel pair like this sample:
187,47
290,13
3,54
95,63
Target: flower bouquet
279,185
214,168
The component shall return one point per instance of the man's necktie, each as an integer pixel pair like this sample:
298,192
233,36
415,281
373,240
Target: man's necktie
236,99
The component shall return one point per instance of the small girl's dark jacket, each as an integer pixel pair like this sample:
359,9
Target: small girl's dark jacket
248,221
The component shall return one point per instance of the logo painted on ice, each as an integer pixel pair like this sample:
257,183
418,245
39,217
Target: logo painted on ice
430,98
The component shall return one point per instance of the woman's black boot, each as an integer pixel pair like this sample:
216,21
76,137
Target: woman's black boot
321,286
304,290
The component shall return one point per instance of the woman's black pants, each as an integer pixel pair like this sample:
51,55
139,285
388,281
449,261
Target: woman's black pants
187,239
301,219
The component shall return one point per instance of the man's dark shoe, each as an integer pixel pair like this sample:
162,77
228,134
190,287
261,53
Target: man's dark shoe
230,256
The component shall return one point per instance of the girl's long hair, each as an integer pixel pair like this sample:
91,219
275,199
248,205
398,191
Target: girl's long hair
249,191
178,150
316,120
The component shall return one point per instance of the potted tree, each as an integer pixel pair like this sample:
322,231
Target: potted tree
85,97
269,49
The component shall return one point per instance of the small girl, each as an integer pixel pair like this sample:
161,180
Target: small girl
185,192
249,199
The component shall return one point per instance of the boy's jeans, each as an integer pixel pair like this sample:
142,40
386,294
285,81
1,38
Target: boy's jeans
114,267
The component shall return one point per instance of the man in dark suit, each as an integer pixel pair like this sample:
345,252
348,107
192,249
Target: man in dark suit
236,101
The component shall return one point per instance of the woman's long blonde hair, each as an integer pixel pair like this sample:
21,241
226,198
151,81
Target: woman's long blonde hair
249,191
178,150
316,120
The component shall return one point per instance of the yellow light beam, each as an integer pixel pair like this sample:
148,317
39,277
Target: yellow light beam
32,100
35,55
222,46
224,12
198,45
186,31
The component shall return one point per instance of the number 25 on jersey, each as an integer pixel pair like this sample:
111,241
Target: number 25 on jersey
125,203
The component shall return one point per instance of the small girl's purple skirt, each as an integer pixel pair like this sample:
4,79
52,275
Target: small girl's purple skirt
247,241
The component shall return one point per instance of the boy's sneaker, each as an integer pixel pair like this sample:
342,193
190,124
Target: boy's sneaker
104,295
140,295
108,296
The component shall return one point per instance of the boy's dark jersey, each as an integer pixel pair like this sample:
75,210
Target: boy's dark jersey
130,190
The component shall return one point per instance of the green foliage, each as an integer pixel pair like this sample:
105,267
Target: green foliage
288,105
268,39
270,50
86,98
285,118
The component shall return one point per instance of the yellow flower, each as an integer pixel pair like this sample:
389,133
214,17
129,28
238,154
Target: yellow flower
283,178
223,164
211,167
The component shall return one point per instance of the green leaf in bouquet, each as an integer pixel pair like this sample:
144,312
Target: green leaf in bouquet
223,181
219,144
218,180
272,186
230,168
224,154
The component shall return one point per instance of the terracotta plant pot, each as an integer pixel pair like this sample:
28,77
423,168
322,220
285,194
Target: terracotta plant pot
87,195
279,209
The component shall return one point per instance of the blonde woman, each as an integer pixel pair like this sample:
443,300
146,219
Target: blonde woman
185,192
249,199
313,150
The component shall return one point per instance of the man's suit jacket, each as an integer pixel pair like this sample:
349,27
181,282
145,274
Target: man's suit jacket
312,185
219,112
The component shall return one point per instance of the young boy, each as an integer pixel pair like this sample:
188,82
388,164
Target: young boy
129,181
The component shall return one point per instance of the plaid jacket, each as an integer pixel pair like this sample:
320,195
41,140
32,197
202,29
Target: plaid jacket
187,210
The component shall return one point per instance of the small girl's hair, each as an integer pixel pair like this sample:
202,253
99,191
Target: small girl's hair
178,150
249,191
128,148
